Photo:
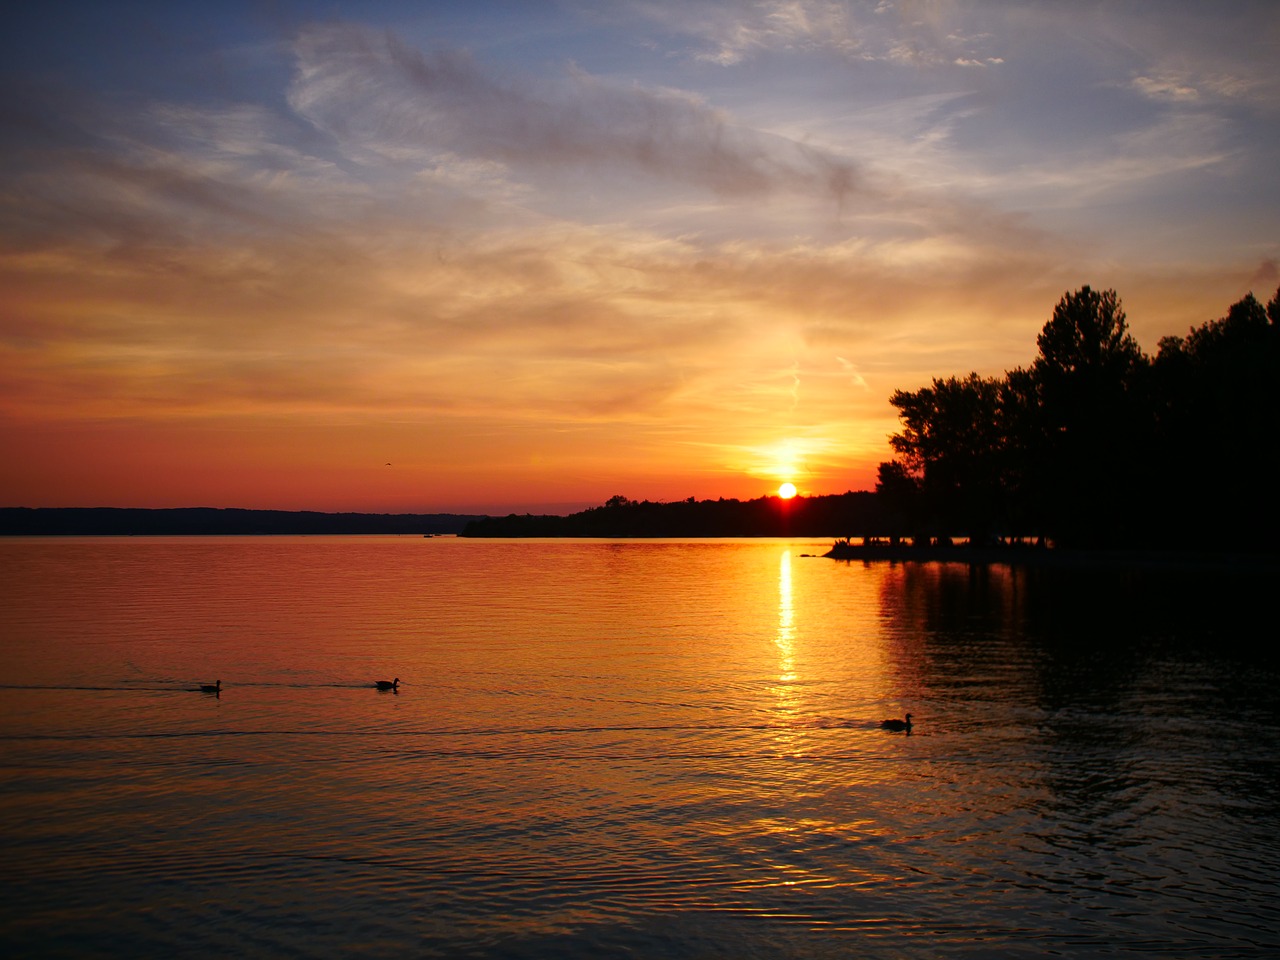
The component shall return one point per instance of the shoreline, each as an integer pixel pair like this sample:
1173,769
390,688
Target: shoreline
1031,556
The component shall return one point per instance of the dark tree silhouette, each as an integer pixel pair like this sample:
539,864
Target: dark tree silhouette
1087,341
899,493
1094,438
1026,469
1218,417
1097,445
951,441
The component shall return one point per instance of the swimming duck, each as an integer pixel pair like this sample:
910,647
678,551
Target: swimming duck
388,684
211,687
896,724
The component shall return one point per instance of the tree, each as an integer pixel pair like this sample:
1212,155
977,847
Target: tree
1024,462
1239,338
897,491
951,440
1089,375
1095,444
1087,340
1218,417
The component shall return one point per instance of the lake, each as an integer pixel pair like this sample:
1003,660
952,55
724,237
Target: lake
628,749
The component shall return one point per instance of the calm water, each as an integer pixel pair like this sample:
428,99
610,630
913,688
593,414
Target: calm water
627,749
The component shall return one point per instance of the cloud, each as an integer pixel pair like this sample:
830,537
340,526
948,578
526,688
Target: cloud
376,96
1167,87
517,258
1267,273
902,32
119,175
851,370
735,33
535,323
439,141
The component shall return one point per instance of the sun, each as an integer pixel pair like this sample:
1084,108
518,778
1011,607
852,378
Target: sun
787,491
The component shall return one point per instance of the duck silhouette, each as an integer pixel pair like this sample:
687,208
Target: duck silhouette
388,684
211,687
896,724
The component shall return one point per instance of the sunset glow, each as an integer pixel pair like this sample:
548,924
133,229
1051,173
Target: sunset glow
508,257
787,491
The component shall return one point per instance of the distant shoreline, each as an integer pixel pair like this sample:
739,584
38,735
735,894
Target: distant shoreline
216,521
1054,557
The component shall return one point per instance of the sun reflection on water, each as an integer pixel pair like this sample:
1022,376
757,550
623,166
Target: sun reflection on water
786,640
786,699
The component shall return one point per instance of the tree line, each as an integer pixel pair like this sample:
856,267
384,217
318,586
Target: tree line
770,516
1096,444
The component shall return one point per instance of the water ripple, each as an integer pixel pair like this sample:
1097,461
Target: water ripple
581,763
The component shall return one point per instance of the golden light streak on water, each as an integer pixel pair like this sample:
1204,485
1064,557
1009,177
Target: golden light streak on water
787,704
786,639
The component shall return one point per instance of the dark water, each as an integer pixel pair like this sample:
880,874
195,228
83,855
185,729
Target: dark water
628,749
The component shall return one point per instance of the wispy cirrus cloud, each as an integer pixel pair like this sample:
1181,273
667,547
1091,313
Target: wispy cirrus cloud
907,32
373,93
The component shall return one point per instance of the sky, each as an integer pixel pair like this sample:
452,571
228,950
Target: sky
526,256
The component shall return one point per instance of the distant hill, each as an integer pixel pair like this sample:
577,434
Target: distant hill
123,521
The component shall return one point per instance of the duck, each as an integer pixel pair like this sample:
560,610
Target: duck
896,724
388,684
211,687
